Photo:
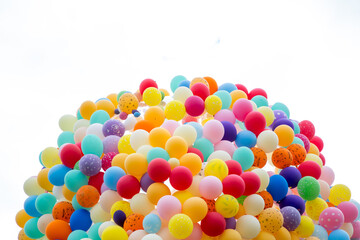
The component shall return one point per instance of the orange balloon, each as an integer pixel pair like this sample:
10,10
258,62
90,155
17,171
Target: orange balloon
63,211
282,234
155,115
192,161
113,98
43,179
212,84
158,137
156,191
119,160
144,124
87,108
196,208
235,95
285,134
282,158
298,153
134,222
260,158
58,230
176,147
107,106
241,212
136,164
210,204
314,149
268,199
87,196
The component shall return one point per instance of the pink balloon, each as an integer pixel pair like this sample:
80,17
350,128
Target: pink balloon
356,227
324,189
241,108
196,233
168,206
170,125
327,174
210,187
225,115
165,234
331,218
349,210
226,146
213,130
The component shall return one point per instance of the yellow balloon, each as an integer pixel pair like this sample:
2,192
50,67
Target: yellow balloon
265,236
227,205
217,168
315,207
21,218
339,193
180,226
306,227
213,104
136,164
128,102
174,162
314,149
196,208
182,195
114,232
113,98
66,122
175,110
230,234
140,204
43,179
152,96
235,95
314,158
271,220
176,147
123,206
268,114
124,145
282,234
50,157
107,106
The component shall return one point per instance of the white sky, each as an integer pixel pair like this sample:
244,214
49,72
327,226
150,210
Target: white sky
56,54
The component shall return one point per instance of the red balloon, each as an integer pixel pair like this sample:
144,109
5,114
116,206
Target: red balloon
128,186
189,118
233,185
234,167
97,181
194,106
159,170
242,88
318,142
252,183
197,152
322,158
70,154
257,91
201,90
310,168
146,83
213,224
107,159
181,178
307,129
255,122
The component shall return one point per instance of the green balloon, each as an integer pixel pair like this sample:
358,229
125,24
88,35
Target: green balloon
308,188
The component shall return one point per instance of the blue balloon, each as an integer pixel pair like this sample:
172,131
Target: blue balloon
245,139
339,234
293,201
30,207
80,220
112,176
198,128
320,232
57,174
152,223
230,131
229,87
184,83
278,187
298,141
292,176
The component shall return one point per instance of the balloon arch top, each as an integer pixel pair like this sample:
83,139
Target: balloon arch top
209,162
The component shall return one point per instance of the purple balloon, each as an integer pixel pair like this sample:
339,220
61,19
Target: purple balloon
292,175
145,182
294,201
90,164
113,127
104,188
230,131
119,217
110,144
278,115
230,223
291,216
282,121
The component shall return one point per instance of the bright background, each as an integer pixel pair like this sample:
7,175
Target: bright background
56,54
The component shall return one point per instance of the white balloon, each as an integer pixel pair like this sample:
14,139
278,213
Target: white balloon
267,141
139,138
95,129
182,93
219,154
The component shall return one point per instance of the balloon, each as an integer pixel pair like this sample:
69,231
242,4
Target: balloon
227,206
308,188
292,217
339,193
210,187
248,226
331,218
213,224
180,226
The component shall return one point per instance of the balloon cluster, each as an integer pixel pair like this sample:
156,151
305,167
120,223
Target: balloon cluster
210,162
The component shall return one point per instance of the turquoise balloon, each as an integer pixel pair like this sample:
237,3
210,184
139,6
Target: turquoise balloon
320,232
225,98
31,229
260,101
298,141
93,232
244,156
65,137
99,116
45,202
296,127
174,84
282,107
92,144
76,204
152,223
205,147
77,234
75,179
241,124
157,152
78,115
